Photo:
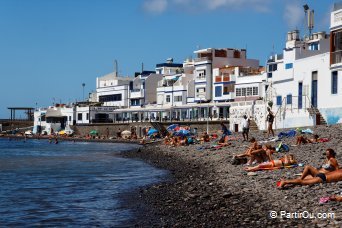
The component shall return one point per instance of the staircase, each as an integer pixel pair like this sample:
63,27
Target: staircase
158,126
319,118
253,126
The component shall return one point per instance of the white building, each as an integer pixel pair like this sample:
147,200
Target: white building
209,66
303,82
53,119
112,90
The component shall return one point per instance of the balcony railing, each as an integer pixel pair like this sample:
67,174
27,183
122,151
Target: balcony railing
203,59
336,57
223,78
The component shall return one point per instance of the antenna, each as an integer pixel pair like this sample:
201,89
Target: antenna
116,70
310,17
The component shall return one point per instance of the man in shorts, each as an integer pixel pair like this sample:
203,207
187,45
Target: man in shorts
245,128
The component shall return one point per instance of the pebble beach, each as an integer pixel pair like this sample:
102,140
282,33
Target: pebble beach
205,190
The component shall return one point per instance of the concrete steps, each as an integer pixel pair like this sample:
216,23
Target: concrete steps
253,126
319,118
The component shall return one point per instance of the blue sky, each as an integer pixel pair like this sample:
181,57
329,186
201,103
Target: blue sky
48,48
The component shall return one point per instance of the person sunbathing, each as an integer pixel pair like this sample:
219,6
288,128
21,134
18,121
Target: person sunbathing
224,141
277,163
330,165
167,140
336,198
302,139
183,141
334,176
262,155
205,137
252,147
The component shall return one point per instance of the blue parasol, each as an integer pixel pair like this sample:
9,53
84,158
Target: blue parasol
172,127
182,133
152,131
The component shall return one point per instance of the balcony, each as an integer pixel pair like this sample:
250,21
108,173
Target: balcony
336,57
202,59
223,78
136,93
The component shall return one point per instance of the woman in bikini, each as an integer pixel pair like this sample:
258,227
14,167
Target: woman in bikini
312,175
329,166
277,163
334,176
302,139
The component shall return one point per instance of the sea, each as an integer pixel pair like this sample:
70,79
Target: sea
68,184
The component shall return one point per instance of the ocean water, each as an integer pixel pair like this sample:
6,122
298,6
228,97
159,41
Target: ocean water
67,184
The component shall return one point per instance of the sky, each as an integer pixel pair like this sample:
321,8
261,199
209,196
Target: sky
48,48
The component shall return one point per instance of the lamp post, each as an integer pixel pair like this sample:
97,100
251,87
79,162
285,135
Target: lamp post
208,119
83,85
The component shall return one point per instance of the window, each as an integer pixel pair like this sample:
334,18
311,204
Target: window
108,98
279,100
269,75
249,91
314,46
178,98
272,67
200,90
79,116
221,53
168,98
228,88
237,54
255,91
201,74
87,116
288,66
69,118
243,93
218,91
238,92
289,99
334,80
135,102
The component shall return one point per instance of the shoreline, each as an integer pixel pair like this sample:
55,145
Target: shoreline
72,139
204,189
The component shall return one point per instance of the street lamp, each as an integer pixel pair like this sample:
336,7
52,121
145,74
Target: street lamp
83,85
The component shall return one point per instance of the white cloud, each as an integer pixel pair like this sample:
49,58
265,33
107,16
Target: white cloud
293,15
159,6
236,4
155,6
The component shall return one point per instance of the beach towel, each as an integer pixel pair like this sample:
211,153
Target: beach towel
274,139
281,167
324,200
323,140
290,133
282,148
307,131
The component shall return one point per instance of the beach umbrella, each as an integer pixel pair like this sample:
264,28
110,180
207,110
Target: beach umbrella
172,127
126,133
93,132
182,133
152,131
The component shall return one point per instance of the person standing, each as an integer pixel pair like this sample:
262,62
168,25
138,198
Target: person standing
245,128
107,133
224,129
270,120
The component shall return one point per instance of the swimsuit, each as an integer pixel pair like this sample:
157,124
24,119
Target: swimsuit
322,176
